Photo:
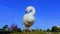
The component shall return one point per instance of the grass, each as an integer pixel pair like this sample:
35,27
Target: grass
35,32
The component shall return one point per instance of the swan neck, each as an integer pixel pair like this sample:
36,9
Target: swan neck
33,11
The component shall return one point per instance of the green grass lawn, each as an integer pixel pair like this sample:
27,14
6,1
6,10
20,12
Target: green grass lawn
35,32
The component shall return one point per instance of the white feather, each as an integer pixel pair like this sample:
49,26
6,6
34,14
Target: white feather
29,18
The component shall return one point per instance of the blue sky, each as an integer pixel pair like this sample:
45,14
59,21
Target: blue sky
47,12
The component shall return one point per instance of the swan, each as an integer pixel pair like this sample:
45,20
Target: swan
28,18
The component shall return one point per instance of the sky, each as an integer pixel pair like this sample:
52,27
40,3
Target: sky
47,13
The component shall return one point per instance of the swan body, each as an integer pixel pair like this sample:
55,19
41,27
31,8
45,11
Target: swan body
29,18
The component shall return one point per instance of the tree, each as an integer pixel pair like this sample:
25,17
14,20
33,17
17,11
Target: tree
54,29
48,30
5,27
41,30
33,29
19,30
14,28
59,29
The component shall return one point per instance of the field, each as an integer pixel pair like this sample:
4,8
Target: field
36,32
29,33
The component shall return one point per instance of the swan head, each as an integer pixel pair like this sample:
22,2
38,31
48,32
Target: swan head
30,8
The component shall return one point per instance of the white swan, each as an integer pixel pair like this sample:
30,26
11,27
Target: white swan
29,18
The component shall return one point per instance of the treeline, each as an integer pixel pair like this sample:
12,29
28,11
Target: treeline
53,29
7,30
15,28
